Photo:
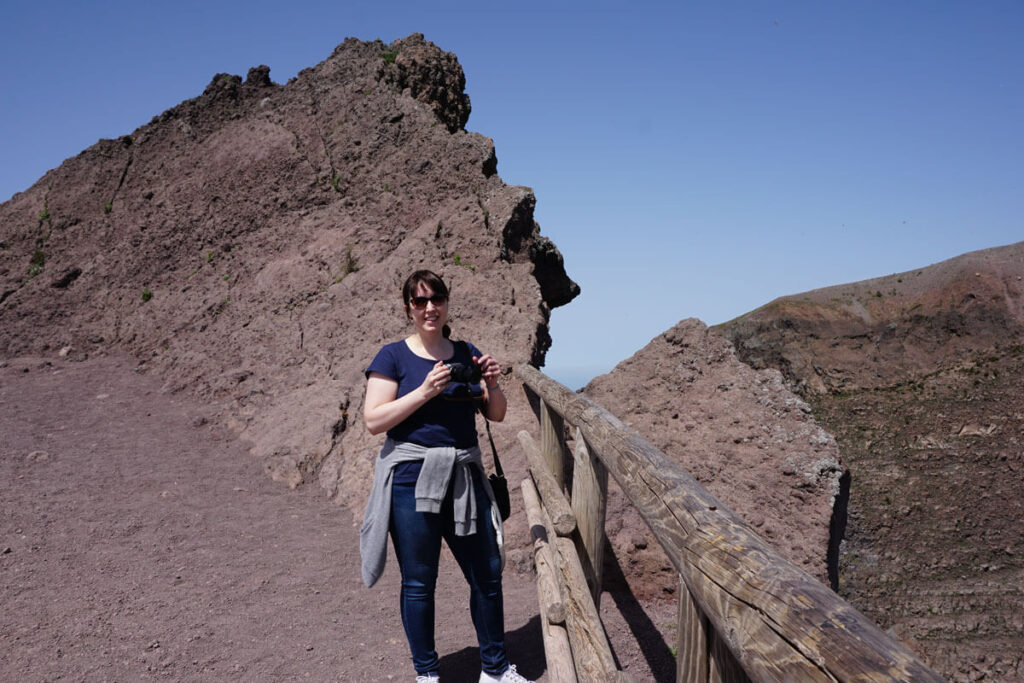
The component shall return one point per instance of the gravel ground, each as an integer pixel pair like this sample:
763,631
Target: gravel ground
139,540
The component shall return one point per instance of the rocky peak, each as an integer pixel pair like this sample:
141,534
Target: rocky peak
248,245
421,70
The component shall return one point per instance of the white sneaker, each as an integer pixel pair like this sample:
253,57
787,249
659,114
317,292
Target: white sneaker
510,676
429,678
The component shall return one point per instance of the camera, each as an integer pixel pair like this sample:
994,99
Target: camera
461,372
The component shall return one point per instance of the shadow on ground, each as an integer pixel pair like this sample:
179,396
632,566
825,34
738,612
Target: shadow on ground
464,665
646,634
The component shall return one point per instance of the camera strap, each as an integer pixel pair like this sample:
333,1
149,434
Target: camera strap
487,423
494,451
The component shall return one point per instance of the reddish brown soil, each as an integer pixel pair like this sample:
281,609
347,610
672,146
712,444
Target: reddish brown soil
140,541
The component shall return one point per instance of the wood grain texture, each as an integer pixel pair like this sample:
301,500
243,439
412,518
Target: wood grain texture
555,503
692,649
557,652
723,665
552,443
776,619
549,587
557,649
589,502
591,651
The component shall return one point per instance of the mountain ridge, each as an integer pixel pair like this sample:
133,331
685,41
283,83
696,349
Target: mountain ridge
918,376
248,246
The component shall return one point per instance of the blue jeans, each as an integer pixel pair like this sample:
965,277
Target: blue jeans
417,540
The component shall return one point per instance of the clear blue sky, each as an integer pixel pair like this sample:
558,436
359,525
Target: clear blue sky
689,158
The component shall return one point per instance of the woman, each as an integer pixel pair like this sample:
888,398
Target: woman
428,481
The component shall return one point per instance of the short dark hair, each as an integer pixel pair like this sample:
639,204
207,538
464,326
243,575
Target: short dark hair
430,279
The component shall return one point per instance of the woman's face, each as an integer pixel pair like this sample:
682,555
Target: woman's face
428,312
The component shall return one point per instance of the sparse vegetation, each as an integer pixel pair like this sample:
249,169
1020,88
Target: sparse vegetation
219,308
38,259
108,207
147,294
336,182
37,262
350,265
457,260
351,262
389,56
209,256
483,209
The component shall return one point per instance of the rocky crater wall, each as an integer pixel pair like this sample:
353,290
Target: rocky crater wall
742,434
919,376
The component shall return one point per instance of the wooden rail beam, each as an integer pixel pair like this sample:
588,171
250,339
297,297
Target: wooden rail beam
548,584
562,518
558,652
777,620
549,593
591,651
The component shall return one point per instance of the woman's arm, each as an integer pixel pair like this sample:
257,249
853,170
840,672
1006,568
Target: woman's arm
496,404
384,410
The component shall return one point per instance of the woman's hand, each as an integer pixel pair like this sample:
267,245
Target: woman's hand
490,368
384,410
436,380
495,398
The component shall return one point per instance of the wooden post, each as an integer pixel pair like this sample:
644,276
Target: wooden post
589,501
722,665
552,442
692,648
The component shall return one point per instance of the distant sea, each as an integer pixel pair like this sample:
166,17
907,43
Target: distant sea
573,377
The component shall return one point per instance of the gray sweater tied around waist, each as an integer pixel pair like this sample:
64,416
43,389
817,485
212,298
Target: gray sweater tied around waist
439,464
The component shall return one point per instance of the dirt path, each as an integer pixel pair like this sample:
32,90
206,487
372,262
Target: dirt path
138,541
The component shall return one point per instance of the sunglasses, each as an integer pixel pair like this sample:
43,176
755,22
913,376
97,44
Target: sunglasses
421,301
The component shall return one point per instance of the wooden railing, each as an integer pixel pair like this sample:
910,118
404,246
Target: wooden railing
745,612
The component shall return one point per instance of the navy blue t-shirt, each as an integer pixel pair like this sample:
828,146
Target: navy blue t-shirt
441,421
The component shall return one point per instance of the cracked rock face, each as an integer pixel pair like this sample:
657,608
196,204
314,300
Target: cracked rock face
249,246
741,433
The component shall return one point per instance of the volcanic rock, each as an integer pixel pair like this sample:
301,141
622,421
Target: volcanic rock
919,376
249,246
741,433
